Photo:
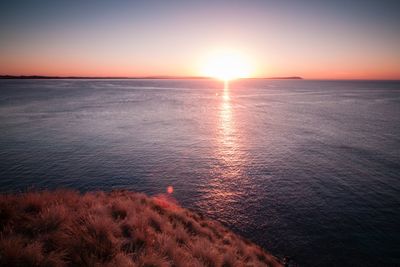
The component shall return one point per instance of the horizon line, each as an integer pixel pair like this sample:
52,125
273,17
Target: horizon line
172,77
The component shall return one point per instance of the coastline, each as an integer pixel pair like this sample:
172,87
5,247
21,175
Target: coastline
118,228
43,77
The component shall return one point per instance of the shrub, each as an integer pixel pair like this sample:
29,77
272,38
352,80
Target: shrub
119,228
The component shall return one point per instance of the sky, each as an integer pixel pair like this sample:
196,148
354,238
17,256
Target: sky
312,39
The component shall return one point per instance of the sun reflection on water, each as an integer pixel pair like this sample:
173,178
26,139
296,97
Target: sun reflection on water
226,130
225,185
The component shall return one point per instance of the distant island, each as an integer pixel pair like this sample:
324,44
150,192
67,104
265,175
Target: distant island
285,78
138,77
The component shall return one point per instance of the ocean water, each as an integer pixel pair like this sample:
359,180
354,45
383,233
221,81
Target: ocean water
307,169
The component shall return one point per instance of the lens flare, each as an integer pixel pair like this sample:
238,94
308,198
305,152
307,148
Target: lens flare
170,189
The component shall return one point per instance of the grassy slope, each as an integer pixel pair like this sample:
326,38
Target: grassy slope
121,228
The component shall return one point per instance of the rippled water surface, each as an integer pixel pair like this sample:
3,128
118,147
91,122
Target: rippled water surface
308,169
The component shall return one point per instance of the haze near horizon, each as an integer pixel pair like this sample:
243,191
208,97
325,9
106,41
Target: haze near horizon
314,40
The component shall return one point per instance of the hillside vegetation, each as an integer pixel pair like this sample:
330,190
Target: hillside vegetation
120,228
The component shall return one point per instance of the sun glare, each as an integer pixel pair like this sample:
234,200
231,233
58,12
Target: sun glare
227,66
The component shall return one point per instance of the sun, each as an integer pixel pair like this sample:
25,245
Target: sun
227,65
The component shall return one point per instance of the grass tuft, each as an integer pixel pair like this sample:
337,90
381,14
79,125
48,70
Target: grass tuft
120,228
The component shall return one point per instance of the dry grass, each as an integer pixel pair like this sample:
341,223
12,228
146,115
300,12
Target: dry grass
120,228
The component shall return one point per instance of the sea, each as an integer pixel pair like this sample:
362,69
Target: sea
306,169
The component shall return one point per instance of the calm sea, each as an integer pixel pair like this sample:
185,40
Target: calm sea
308,169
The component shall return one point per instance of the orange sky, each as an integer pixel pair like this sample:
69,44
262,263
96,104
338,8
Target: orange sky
149,39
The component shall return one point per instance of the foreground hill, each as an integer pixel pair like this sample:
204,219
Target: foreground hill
120,228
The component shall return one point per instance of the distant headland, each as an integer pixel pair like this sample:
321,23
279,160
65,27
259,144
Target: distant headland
284,78
136,77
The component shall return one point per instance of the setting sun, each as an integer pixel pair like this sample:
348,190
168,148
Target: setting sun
227,66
